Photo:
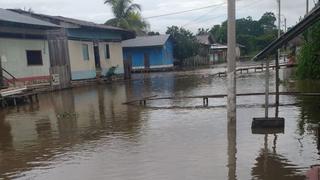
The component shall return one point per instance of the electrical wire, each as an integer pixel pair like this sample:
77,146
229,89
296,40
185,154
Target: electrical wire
221,15
185,11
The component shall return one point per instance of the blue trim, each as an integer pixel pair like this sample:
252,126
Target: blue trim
79,75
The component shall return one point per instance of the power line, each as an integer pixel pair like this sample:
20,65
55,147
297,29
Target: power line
185,11
221,15
198,18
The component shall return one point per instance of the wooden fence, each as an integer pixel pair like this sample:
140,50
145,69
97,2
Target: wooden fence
196,61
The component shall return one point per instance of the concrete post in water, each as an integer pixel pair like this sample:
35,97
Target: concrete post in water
277,59
277,86
231,54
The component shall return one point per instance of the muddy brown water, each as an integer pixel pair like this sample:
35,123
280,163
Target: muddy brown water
87,133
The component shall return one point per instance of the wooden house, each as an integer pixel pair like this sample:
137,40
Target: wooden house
93,49
205,41
219,52
149,52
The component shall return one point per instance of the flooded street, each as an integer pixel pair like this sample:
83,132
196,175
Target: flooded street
87,133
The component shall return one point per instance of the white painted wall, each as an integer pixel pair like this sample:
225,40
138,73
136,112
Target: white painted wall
14,58
116,57
80,68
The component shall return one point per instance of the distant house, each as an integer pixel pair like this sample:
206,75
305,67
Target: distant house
24,49
149,52
92,48
205,41
219,52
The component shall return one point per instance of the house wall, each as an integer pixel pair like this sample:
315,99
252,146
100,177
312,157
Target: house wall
168,53
116,57
80,68
160,57
14,59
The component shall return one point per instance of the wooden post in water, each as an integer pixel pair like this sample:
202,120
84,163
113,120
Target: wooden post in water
231,54
267,89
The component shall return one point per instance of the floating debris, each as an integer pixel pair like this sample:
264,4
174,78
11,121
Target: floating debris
67,115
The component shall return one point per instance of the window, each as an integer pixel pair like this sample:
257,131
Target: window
107,53
34,58
85,52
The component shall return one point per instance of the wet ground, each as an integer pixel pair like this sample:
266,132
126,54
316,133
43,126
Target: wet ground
87,133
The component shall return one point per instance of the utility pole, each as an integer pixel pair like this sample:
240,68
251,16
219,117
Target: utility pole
285,24
279,18
231,54
277,60
307,7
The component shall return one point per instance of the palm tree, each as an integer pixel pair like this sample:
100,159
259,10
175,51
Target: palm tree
127,16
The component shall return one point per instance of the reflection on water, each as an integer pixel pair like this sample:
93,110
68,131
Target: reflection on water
232,150
87,133
270,165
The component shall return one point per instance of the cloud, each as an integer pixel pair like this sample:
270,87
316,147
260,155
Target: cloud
95,10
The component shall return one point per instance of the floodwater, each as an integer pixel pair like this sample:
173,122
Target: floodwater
87,133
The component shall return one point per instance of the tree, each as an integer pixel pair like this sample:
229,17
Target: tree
185,43
267,21
127,16
254,35
202,31
309,57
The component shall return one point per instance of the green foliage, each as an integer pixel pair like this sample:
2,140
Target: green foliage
254,35
185,43
202,31
309,56
127,16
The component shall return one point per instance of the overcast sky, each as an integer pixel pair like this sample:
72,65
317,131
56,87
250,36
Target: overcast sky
96,11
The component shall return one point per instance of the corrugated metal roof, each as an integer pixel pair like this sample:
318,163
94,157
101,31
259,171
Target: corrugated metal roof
9,16
85,23
69,20
146,41
205,39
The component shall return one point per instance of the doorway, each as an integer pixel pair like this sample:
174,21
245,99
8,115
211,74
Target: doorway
128,67
146,61
97,57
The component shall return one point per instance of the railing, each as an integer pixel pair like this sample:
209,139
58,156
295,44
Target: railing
13,79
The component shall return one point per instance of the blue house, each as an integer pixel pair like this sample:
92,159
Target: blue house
149,52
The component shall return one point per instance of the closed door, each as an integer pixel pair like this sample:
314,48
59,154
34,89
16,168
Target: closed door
146,60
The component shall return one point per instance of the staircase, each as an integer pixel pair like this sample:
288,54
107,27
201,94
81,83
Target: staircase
9,80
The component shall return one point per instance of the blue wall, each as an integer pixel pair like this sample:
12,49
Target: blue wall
161,55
